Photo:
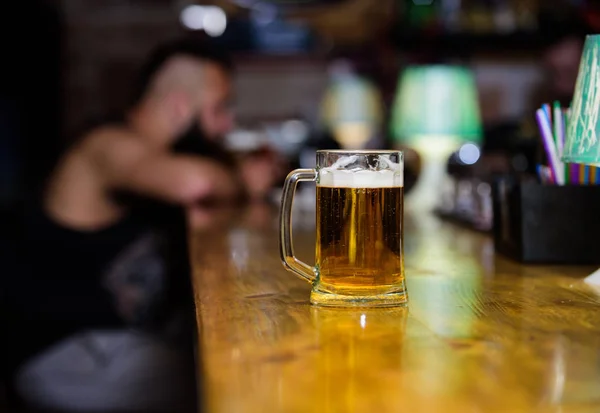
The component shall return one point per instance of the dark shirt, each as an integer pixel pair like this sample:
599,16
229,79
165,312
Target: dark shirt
128,274
64,280
134,274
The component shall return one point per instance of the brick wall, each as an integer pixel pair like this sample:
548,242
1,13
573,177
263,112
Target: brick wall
105,42
506,89
275,88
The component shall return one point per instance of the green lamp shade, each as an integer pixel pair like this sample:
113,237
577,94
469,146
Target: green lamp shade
436,101
582,144
351,99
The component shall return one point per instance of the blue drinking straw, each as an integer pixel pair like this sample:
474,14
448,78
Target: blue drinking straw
548,112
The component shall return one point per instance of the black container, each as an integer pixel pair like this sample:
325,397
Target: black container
535,223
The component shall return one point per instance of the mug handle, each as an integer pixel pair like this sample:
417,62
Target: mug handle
286,249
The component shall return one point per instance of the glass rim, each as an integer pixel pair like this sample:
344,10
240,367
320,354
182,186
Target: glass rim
360,151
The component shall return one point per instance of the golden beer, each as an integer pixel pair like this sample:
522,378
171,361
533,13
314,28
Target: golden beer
359,247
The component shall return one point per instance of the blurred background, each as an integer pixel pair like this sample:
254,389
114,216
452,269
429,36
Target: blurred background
454,83
66,62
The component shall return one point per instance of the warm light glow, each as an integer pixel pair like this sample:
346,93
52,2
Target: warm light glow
434,151
436,146
351,109
353,135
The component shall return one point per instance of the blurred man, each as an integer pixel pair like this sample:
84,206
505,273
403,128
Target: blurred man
123,179
105,246
185,90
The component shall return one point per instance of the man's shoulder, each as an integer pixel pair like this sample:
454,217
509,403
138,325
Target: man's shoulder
110,140
109,135
111,147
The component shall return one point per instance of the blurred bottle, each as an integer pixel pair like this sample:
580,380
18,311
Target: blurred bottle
422,14
505,20
451,14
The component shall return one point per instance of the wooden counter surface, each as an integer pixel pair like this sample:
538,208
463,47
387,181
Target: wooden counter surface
481,333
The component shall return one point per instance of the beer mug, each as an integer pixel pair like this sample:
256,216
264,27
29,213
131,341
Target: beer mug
359,240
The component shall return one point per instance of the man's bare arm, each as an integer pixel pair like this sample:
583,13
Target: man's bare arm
126,163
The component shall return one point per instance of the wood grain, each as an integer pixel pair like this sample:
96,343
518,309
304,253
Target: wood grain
481,333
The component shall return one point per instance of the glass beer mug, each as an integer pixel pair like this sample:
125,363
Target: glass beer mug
359,245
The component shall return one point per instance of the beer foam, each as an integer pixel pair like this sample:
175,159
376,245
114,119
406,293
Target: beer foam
360,178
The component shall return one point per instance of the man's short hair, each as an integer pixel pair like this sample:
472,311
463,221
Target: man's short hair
186,47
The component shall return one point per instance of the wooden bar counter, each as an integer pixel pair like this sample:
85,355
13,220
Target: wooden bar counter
481,333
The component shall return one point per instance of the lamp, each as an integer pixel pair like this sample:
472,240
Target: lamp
582,143
435,111
352,110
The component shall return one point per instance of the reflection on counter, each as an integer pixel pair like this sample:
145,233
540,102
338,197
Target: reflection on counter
359,351
572,373
446,304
